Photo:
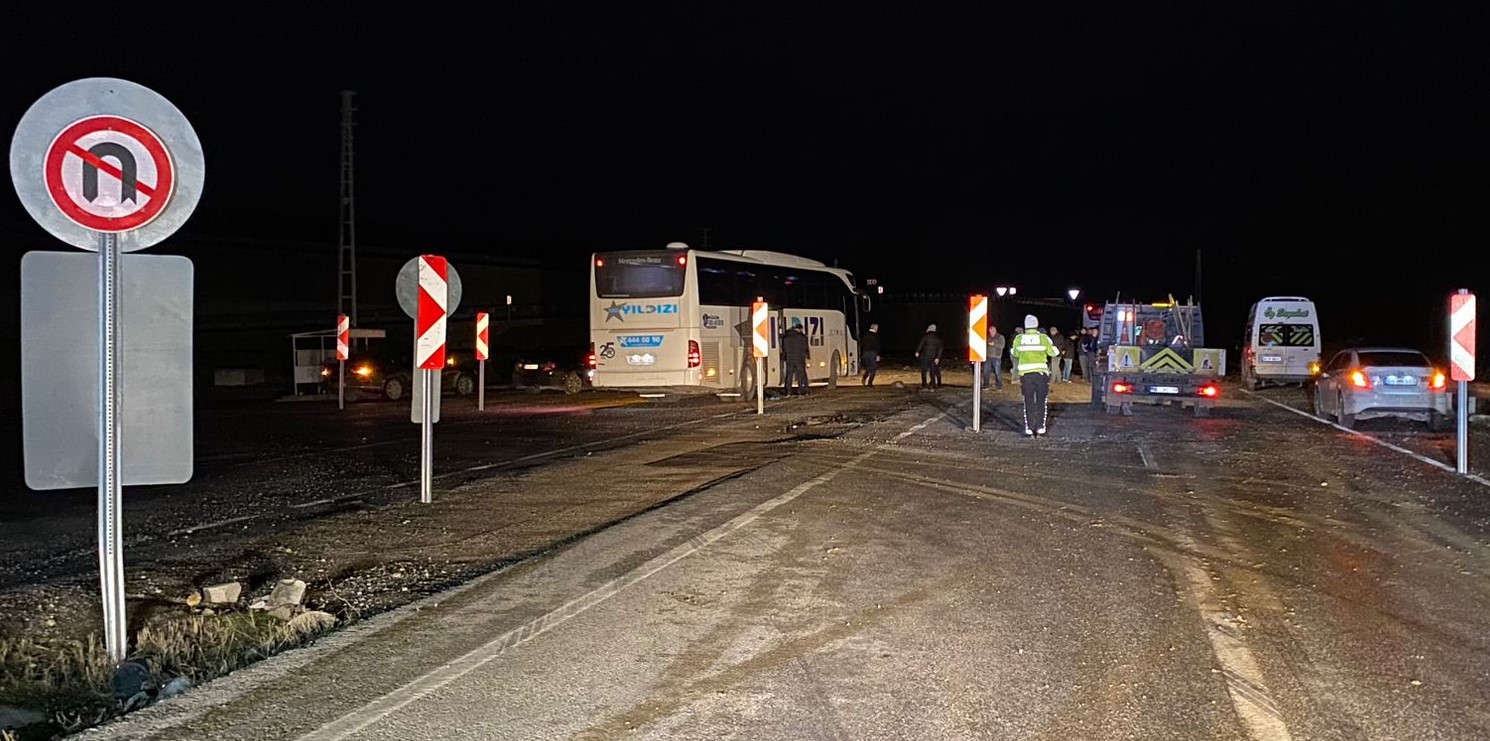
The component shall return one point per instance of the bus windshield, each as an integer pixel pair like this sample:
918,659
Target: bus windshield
650,274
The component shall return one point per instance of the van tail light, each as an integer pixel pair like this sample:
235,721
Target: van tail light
1209,390
1440,381
1359,380
695,358
590,357
1122,387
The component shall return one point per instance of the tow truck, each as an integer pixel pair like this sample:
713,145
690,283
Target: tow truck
1154,353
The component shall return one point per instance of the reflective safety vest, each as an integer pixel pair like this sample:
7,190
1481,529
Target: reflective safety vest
1032,351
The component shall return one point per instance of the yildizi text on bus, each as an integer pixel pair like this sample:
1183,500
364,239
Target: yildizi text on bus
677,320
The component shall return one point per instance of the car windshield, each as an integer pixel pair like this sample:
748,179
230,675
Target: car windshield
1383,358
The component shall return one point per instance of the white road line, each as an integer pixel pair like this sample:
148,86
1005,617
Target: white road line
432,681
1144,454
1451,469
1244,681
919,427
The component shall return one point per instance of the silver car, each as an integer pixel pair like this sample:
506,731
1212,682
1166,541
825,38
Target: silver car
1368,382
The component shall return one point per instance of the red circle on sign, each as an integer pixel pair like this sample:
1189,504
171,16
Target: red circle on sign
77,176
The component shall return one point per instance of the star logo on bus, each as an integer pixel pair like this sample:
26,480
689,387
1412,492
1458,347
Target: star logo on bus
614,311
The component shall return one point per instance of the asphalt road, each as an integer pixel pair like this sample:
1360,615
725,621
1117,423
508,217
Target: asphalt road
1258,574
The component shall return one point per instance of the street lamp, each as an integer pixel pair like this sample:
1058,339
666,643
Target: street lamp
1006,290
1073,293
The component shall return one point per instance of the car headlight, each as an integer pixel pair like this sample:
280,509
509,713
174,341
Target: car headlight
364,371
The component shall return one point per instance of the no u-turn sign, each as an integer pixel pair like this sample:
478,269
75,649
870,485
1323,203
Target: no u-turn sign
109,174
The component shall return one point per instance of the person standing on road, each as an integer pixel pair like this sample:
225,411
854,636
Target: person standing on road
869,354
929,353
1058,340
1068,355
794,350
1086,349
994,366
1033,353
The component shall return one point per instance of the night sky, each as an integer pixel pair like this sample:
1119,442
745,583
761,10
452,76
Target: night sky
1335,151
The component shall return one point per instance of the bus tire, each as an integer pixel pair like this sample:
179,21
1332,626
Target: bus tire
747,381
833,371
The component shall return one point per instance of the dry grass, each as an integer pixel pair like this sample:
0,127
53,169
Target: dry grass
72,681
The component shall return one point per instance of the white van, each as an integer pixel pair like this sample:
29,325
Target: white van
1281,342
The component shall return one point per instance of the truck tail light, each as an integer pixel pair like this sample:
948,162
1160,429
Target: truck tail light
695,357
1122,387
1209,390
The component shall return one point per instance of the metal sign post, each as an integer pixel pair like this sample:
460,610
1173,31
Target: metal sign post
1461,363
428,290
110,166
977,350
343,350
483,347
760,347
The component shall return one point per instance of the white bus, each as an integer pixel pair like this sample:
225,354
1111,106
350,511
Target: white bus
1281,342
677,320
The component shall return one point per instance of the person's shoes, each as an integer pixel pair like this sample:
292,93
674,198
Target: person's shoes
1029,432
1040,431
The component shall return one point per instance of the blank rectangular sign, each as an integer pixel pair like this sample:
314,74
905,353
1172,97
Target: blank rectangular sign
60,375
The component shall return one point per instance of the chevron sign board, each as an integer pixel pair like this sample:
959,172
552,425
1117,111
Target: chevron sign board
1461,336
760,346
483,335
977,328
429,325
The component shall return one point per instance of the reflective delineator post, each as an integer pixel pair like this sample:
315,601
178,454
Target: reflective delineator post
343,349
977,350
427,439
760,347
483,324
1461,364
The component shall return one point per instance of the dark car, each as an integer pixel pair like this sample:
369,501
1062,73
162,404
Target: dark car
570,372
391,378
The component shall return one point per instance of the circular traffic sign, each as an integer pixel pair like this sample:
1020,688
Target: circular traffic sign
109,174
406,288
103,155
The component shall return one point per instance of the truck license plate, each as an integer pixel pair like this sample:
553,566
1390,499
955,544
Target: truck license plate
1164,389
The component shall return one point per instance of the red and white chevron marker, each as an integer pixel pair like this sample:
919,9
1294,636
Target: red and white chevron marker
483,336
760,344
343,336
1461,336
429,325
977,328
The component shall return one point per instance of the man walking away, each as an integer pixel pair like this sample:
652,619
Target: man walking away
1068,354
794,350
869,354
994,366
1055,363
1033,354
929,353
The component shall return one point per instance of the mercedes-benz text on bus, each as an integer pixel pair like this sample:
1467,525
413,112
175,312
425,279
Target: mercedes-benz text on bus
677,320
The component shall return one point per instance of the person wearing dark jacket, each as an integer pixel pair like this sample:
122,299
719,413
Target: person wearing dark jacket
794,350
929,353
869,354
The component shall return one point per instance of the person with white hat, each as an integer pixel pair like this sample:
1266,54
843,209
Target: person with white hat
1032,351
929,353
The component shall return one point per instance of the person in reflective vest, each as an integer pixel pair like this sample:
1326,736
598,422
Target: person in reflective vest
1031,352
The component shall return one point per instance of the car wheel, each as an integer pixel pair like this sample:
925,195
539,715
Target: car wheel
1344,420
1316,402
833,371
394,388
465,385
573,384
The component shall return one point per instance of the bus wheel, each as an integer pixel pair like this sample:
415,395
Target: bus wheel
833,371
747,381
